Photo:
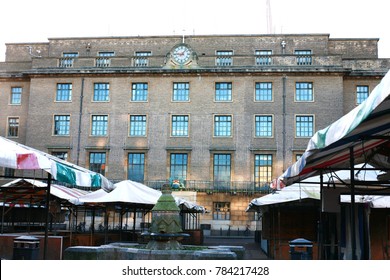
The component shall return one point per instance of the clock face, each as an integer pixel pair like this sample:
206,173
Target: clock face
181,54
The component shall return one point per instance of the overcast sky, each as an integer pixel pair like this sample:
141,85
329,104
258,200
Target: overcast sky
24,21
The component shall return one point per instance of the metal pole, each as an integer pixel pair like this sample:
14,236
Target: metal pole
47,216
352,175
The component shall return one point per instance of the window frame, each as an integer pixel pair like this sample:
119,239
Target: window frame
101,92
60,92
176,128
134,164
62,123
178,92
13,127
312,125
261,91
222,93
104,124
217,132
259,179
269,125
102,168
303,92
16,96
359,93
135,91
140,125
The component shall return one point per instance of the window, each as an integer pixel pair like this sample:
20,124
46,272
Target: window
223,91
67,59
61,125
16,95
99,125
136,165
138,125
304,126
60,155
298,156
139,92
303,57
9,172
263,91
222,126
13,127
222,168
224,58
181,92
104,59
263,126
303,91
221,210
263,169
101,92
178,167
141,59
97,162
361,94
179,125
64,92
263,57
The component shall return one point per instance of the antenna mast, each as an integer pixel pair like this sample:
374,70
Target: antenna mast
269,17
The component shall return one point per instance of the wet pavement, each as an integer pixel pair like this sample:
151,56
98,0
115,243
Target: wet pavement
252,249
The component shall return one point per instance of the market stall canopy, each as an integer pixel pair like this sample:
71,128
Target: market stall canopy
365,131
17,156
310,187
33,192
135,193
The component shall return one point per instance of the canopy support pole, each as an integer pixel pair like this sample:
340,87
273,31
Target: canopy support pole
47,215
352,176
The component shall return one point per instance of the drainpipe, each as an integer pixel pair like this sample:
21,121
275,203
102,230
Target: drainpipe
284,122
80,117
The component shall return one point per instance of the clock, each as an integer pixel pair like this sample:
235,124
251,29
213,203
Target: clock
181,54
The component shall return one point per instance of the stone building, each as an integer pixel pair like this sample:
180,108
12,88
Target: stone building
221,115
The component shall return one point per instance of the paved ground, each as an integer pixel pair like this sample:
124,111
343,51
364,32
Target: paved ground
252,249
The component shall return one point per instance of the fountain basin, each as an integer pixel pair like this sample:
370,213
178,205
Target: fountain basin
135,251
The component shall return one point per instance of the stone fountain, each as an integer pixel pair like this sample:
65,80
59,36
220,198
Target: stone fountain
164,236
165,230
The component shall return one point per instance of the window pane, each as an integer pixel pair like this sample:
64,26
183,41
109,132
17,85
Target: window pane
221,210
13,127
138,125
179,125
263,169
224,58
136,163
361,94
263,126
97,162
181,92
61,125
139,92
178,168
303,92
263,92
304,126
222,167
222,126
99,125
101,92
64,92
223,91
16,95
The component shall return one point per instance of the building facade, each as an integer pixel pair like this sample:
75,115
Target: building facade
218,115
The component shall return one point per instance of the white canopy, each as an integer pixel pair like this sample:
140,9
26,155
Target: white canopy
134,193
310,189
